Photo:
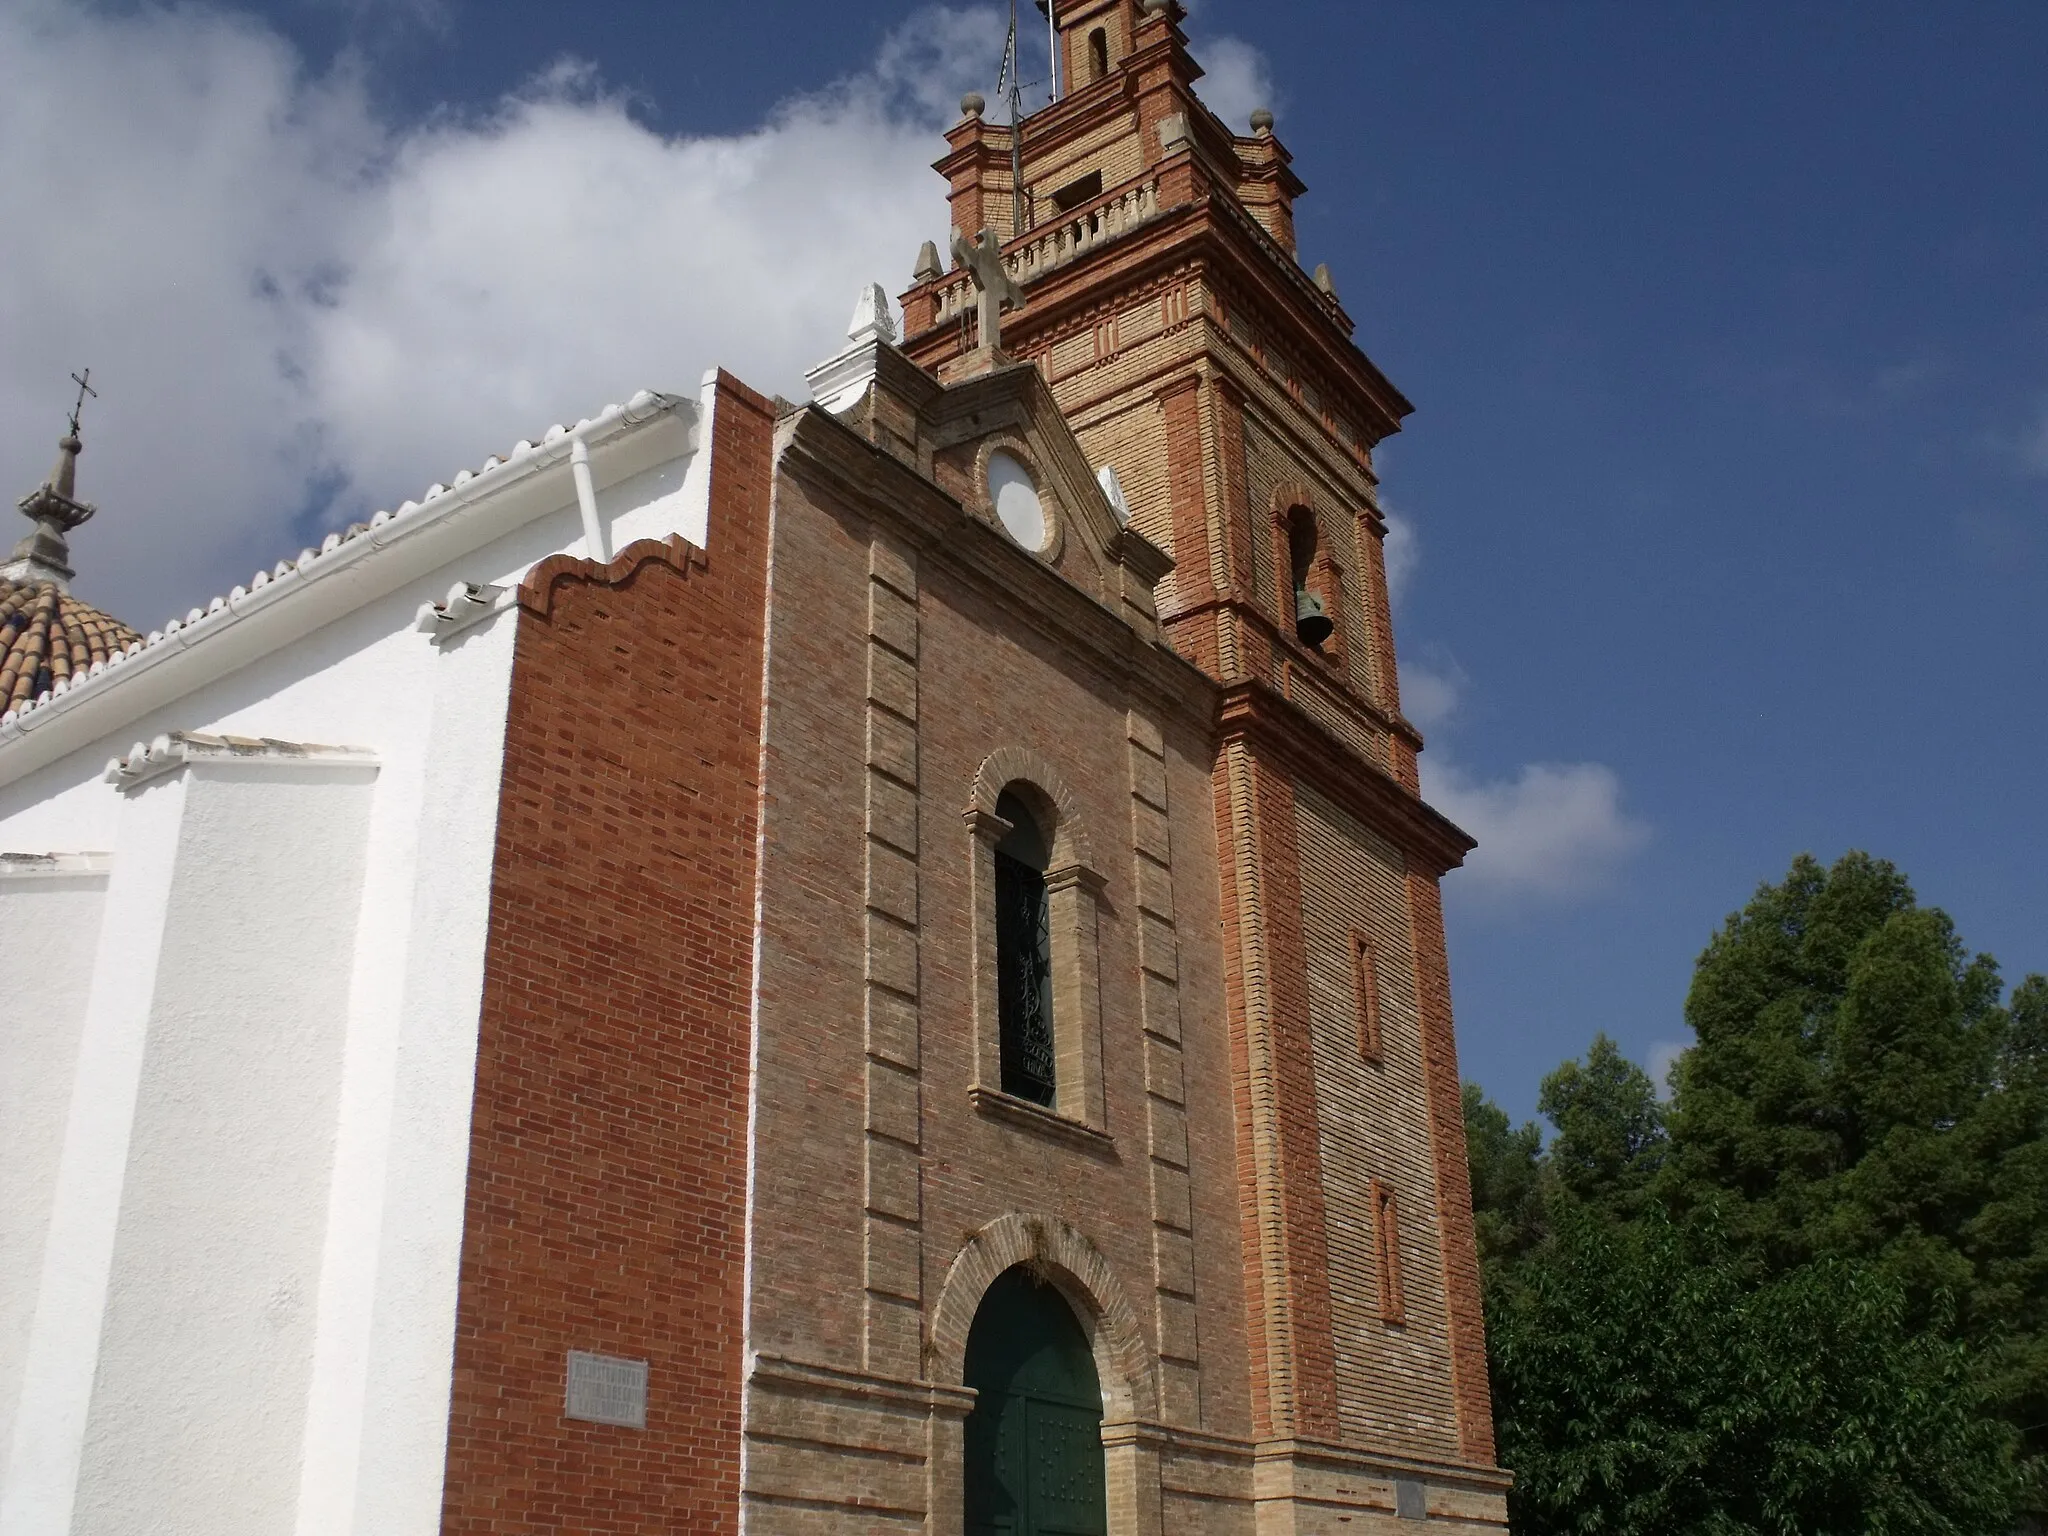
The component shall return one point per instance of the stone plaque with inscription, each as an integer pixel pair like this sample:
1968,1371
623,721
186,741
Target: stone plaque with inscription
606,1390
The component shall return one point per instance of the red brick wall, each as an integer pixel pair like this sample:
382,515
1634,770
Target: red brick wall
607,1184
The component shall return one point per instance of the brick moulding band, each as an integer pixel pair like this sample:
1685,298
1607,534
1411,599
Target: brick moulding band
998,1105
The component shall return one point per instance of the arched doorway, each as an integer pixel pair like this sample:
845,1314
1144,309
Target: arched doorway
1034,1439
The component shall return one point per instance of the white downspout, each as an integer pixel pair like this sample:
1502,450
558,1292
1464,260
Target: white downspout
1052,35
586,499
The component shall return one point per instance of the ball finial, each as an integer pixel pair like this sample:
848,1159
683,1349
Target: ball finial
1262,120
971,104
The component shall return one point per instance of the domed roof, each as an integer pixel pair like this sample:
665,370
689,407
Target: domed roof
47,636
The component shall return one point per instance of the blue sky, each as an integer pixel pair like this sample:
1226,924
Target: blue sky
1727,327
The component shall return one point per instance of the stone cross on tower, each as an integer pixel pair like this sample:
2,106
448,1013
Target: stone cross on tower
983,258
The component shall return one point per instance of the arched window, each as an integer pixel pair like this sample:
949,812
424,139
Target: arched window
1037,988
1098,54
1312,621
1034,1440
1024,951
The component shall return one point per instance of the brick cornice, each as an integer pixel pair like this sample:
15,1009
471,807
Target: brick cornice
1254,712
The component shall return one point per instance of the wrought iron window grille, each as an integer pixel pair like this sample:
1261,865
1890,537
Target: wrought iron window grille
1024,980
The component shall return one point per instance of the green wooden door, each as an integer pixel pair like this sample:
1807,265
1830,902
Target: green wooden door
1034,1440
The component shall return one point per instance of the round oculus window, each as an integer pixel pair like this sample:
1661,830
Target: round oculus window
1018,508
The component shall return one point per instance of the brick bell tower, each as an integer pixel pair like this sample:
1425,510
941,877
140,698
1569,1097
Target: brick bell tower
1193,356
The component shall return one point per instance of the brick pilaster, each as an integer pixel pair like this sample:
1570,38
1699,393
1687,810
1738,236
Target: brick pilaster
1280,1174
1173,1222
892,1322
1386,675
1195,572
1234,495
1453,1175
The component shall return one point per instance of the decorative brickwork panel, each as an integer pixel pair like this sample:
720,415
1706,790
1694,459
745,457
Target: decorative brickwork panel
1394,1380
1128,441
607,1180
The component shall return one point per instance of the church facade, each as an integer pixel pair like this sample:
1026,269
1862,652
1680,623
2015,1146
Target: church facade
867,966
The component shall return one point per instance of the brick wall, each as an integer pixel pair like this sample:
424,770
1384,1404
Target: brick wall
1279,1139
1394,1381
606,1204
1153,1185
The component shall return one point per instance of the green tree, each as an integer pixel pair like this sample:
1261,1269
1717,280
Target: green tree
1858,1091
1811,1294
1507,1181
1610,1129
1645,1383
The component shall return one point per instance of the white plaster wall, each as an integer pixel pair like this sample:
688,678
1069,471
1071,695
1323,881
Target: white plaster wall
375,1437
199,1398
369,1327
54,915
64,1339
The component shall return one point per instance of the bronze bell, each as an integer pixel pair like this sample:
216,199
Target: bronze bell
1310,622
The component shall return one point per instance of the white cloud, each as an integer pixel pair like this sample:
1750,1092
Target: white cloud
298,311
1235,80
1403,552
1432,687
1554,830
1664,1056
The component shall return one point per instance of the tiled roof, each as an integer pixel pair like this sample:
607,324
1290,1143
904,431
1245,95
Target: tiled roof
48,637
95,646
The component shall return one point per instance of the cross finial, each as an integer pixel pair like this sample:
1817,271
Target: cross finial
54,507
84,383
983,258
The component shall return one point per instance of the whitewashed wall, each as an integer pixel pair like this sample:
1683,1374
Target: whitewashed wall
237,1059
49,929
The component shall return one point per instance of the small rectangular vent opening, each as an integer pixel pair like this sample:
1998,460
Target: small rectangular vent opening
1083,190
1409,1502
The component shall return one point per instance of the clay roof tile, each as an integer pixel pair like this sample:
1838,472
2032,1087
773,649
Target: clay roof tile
47,636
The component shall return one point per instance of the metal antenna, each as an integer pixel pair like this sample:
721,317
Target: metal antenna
84,383
1013,76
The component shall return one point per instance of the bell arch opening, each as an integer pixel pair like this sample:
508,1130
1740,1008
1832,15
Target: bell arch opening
1034,1461
1312,618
